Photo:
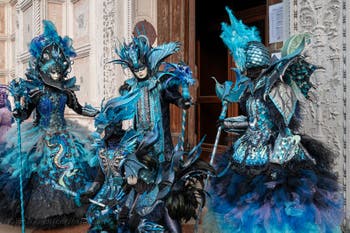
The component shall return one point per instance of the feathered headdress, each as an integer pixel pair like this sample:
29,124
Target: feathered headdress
134,54
116,110
236,37
138,54
48,37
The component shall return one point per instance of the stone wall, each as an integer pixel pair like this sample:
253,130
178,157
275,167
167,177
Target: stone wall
327,117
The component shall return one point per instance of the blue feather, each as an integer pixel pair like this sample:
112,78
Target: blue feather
236,36
117,109
161,52
48,37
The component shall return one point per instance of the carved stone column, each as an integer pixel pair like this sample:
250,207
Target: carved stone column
325,117
36,17
117,21
109,27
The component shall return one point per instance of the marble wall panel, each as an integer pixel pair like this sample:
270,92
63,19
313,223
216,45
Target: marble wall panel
81,72
2,55
2,19
81,22
55,14
27,27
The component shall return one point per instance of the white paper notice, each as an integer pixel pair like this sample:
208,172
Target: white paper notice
276,23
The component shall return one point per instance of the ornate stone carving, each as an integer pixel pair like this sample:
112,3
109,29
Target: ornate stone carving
325,118
321,19
109,39
81,22
37,17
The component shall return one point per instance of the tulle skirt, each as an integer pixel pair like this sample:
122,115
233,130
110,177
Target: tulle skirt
297,197
50,159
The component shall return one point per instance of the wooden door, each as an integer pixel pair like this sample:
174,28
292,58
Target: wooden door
176,23
197,25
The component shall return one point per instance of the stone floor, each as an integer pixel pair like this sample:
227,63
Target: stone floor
76,229
187,228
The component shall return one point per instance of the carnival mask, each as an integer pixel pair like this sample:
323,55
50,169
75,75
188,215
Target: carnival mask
53,63
141,73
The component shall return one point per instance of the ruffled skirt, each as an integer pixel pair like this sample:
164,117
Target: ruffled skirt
297,197
61,159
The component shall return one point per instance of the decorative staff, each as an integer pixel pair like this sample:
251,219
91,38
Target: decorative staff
18,89
181,74
227,94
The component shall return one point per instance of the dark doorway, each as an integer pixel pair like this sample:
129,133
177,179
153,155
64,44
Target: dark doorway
213,59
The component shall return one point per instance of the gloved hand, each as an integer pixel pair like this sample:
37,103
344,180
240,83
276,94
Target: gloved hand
184,103
90,193
17,113
124,89
123,216
236,124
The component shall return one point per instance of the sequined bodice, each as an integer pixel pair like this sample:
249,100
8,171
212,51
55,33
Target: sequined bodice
51,110
149,111
148,106
260,122
262,143
109,161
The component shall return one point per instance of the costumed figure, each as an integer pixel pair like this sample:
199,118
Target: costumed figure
155,92
272,179
140,193
56,153
162,194
5,115
113,144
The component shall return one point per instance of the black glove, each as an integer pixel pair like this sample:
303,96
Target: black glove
17,113
220,123
124,89
184,103
90,193
123,215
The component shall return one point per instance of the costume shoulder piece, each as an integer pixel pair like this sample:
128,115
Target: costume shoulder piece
288,79
160,53
139,53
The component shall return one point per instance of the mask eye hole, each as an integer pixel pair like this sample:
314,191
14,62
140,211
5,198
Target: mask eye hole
46,56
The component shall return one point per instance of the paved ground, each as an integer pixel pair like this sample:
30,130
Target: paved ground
76,229
188,228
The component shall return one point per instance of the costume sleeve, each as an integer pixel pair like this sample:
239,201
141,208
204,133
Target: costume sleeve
173,96
127,86
74,104
28,107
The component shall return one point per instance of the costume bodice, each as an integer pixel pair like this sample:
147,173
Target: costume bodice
6,117
260,124
51,108
148,106
263,142
149,110
109,161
